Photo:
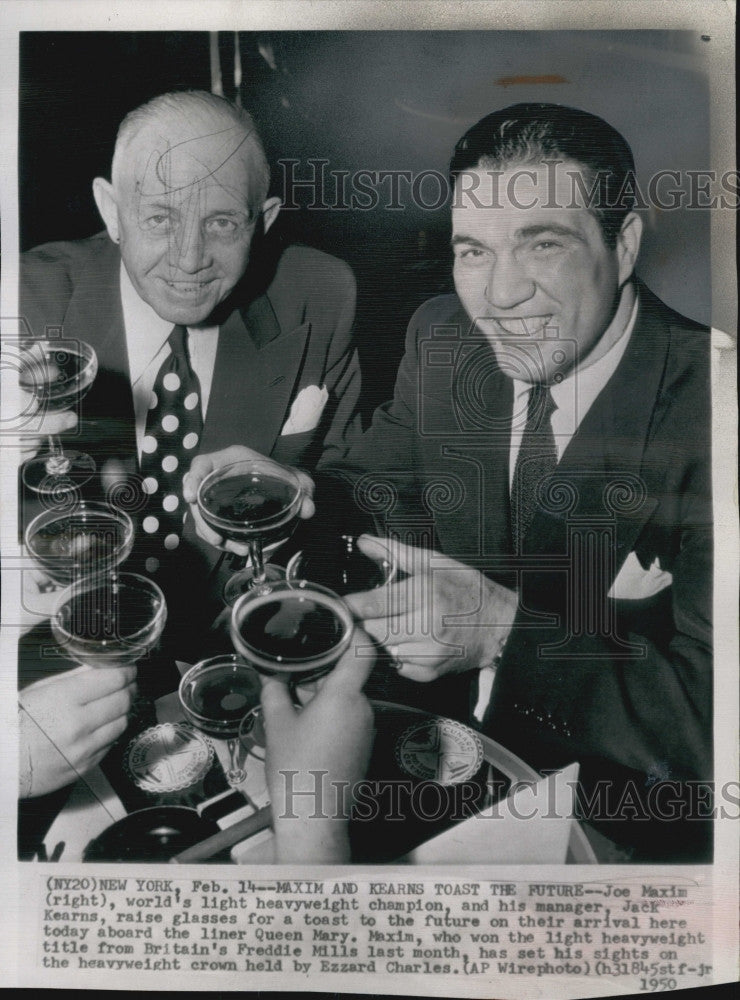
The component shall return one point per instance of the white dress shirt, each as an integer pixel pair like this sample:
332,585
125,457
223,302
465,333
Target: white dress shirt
147,347
573,398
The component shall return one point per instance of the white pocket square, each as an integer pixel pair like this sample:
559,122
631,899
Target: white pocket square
633,583
306,410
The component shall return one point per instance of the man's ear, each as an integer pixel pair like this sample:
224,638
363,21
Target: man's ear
270,211
105,199
628,245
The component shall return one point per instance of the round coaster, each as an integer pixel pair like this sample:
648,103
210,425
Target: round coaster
168,758
439,750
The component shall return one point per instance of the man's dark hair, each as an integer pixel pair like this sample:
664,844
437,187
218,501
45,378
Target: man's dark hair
530,133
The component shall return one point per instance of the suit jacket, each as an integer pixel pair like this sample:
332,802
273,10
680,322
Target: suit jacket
588,673
281,332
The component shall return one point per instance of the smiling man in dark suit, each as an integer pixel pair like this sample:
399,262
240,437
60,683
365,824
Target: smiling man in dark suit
205,337
544,470
550,429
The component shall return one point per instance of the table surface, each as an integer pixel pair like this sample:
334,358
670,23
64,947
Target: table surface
93,804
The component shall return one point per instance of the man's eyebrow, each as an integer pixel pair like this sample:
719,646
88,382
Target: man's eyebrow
552,228
470,241
162,206
525,233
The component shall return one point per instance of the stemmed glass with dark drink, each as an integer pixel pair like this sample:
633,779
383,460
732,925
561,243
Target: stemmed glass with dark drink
57,373
81,540
298,630
255,502
337,562
215,696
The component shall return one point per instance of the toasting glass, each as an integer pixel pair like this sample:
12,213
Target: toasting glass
104,620
256,502
298,630
82,540
215,696
338,563
57,373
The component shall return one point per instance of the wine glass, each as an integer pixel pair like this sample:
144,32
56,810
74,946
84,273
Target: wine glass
57,373
104,620
215,695
256,502
82,540
338,563
298,630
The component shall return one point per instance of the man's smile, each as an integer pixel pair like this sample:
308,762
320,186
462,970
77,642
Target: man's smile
522,326
188,287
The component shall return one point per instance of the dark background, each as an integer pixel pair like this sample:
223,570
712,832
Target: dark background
377,101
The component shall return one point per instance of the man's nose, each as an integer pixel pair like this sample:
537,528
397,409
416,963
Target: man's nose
508,283
189,247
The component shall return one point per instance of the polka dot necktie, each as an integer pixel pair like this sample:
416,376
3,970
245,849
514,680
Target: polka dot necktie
537,459
173,429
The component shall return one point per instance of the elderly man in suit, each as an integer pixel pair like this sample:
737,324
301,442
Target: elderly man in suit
204,337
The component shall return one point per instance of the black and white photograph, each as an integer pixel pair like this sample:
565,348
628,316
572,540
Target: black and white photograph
369,457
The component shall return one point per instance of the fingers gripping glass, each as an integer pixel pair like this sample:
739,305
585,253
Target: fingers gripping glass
256,503
57,373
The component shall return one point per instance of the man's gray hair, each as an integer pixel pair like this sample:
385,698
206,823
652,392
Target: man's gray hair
189,105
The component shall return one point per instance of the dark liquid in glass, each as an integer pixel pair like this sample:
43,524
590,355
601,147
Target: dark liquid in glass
108,613
71,546
223,695
293,628
55,380
344,572
249,501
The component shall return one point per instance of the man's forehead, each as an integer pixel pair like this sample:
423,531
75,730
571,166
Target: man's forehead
160,159
524,200
548,185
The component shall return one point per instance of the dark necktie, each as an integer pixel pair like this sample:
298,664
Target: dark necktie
174,427
536,460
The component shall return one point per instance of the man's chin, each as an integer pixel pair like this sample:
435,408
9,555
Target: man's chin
184,313
544,361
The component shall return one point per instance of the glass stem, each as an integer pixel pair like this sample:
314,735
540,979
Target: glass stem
236,772
258,562
57,463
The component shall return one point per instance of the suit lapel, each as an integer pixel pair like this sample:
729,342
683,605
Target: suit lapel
603,461
95,315
255,373
472,432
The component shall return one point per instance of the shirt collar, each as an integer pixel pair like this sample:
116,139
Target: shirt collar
584,384
146,331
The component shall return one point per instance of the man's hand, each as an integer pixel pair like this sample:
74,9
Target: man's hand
204,464
50,423
69,721
333,735
443,618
